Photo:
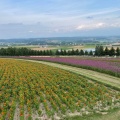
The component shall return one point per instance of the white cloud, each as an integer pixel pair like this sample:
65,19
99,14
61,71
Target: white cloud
91,26
30,31
115,24
98,25
56,30
102,12
61,18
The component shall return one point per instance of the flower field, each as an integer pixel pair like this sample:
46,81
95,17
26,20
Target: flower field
104,65
32,91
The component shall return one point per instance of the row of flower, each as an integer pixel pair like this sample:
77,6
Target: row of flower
109,66
27,85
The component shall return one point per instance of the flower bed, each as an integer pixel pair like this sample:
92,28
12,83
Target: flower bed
32,90
109,66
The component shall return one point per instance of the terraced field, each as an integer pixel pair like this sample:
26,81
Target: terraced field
35,91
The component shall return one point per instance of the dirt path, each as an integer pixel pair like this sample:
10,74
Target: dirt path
113,115
101,77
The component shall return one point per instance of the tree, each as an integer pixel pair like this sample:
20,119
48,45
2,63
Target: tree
69,52
61,52
44,52
51,52
47,52
64,52
2,51
81,52
99,51
72,52
91,53
106,51
77,52
40,52
57,52
112,51
86,52
117,51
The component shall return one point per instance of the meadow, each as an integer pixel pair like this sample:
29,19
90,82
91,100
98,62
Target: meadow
33,91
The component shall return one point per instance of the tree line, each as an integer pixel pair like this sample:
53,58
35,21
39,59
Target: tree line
99,51
22,52
73,52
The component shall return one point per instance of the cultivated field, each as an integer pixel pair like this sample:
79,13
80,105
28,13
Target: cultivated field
105,65
108,80
44,48
66,47
36,91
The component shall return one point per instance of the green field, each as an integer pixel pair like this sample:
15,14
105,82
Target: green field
47,92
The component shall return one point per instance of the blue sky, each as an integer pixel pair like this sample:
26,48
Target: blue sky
54,18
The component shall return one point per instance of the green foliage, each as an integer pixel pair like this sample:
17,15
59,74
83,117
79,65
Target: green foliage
112,51
91,53
86,52
81,52
117,51
23,52
106,52
59,90
99,51
39,112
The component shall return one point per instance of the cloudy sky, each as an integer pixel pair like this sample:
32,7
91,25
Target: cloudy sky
53,18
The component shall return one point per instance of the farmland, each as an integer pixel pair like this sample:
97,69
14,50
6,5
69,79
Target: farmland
110,66
36,91
107,80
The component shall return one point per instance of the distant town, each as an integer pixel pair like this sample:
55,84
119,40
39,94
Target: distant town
61,41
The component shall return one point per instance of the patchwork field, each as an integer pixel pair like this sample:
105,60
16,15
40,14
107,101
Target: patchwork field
65,47
33,91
